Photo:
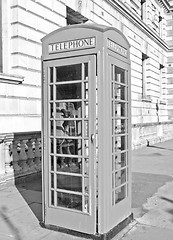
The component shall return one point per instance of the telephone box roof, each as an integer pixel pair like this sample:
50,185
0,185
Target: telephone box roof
92,26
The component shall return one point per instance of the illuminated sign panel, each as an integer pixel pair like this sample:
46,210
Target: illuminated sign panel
117,48
72,45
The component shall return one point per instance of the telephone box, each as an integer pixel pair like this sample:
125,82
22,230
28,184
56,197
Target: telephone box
86,130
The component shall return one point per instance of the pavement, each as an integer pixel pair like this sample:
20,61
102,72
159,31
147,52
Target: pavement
152,202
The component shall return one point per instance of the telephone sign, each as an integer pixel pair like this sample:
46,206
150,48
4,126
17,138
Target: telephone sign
72,45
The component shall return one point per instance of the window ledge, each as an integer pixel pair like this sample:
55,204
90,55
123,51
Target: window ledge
11,79
146,99
163,102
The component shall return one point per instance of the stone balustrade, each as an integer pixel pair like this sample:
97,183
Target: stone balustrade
20,154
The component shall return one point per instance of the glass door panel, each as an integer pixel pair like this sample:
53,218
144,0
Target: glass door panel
71,152
119,134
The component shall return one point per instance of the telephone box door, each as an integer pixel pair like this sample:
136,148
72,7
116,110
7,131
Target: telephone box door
69,160
120,149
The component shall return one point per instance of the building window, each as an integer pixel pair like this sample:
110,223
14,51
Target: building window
160,26
143,10
144,75
162,82
74,17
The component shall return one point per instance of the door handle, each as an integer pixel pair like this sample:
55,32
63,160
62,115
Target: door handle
92,138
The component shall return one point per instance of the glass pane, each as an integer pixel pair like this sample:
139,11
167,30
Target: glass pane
86,109
68,182
120,194
86,206
86,71
52,198
51,128
120,177
119,92
69,73
51,145
51,110
51,92
120,126
86,167
52,180
119,75
68,109
120,143
52,163
86,148
86,183
119,161
68,128
51,74
120,110
86,90
69,146
69,201
68,91
67,164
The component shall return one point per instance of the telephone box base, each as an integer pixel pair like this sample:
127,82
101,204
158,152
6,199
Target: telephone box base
106,236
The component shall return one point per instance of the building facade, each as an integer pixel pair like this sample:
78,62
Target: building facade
148,26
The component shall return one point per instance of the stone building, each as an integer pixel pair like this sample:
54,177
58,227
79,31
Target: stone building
148,26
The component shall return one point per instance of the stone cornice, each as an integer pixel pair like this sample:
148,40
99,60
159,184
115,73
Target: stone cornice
129,14
11,79
166,5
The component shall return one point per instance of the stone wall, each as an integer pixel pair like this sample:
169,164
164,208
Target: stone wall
24,23
147,26
149,134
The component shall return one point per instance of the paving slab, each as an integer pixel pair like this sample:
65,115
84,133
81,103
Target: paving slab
145,232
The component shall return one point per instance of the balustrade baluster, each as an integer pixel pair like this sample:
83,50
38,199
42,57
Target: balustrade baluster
8,158
20,154
30,154
37,154
15,156
23,156
2,158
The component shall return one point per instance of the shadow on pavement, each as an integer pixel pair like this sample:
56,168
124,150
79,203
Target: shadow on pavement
31,191
152,146
170,201
14,231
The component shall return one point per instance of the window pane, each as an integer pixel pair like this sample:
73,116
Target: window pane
51,74
120,177
69,73
69,201
119,92
119,75
120,194
120,110
69,146
67,182
120,126
68,91
68,164
68,109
